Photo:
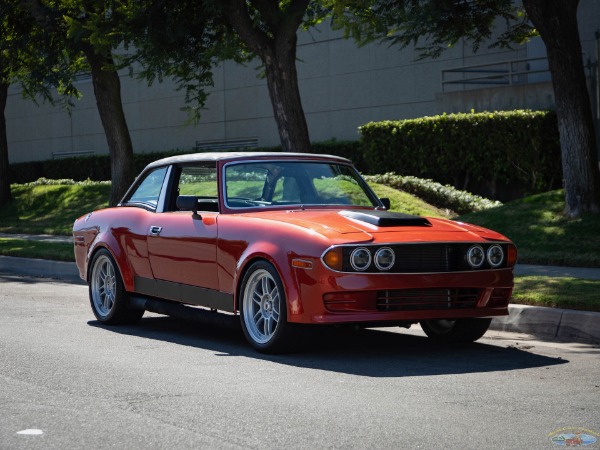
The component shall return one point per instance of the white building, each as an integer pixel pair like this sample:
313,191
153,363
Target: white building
342,87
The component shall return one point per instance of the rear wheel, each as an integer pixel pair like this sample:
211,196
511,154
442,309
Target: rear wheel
107,294
455,331
263,311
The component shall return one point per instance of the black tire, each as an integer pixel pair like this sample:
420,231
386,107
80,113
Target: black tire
263,311
455,331
107,294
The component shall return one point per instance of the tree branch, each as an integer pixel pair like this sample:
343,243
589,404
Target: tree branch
239,18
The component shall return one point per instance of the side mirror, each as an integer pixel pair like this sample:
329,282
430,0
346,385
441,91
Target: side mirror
386,202
188,203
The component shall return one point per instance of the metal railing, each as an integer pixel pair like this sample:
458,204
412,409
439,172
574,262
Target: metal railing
229,144
71,154
504,73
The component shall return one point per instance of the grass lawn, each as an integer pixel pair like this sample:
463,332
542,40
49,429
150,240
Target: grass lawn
541,232
409,204
568,293
35,249
50,209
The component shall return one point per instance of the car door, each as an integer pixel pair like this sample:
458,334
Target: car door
182,248
141,205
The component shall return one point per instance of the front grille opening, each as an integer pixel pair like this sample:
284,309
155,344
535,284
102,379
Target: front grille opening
427,299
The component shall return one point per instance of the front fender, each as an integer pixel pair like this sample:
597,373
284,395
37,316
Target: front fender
281,261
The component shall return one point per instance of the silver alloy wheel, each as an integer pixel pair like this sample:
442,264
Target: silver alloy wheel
261,306
104,286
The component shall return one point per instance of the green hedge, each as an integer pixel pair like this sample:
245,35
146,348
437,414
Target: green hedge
499,155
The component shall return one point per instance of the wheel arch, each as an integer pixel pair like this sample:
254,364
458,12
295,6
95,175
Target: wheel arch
126,276
243,270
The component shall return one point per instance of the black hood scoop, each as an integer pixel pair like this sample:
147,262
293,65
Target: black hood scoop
387,218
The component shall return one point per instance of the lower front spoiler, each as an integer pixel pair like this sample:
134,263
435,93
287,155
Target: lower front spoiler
406,316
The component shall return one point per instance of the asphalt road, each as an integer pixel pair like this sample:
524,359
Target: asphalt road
170,384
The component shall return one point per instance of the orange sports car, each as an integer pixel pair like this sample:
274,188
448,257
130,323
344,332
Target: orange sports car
287,241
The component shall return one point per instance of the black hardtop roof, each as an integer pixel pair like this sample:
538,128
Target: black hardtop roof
233,156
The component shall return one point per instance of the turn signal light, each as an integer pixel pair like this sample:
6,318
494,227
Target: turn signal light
333,258
302,264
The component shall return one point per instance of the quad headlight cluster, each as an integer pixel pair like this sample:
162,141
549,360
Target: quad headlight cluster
476,256
416,258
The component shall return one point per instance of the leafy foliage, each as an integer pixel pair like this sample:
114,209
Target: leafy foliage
432,25
32,57
476,151
65,182
434,193
183,40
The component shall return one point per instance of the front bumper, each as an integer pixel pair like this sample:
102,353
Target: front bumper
337,298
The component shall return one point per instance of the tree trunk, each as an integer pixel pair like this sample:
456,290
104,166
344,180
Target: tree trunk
282,81
107,89
556,22
277,50
5,194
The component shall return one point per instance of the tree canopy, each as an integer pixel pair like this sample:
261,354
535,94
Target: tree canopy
33,60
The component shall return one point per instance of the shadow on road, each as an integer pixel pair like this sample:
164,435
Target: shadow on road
370,353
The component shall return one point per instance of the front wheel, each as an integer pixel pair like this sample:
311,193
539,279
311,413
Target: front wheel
455,331
263,311
107,294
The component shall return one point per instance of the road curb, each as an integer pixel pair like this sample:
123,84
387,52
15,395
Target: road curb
551,323
40,268
541,322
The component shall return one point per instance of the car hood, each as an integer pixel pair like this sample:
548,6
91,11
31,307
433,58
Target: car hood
379,226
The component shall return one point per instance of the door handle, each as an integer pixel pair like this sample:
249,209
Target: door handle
155,230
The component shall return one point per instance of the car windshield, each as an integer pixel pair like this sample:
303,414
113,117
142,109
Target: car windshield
295,183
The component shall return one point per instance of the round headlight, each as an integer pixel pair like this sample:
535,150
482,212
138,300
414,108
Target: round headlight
384,258
476,256
360,259
495,255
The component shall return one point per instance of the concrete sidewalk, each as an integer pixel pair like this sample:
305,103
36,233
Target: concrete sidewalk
543,323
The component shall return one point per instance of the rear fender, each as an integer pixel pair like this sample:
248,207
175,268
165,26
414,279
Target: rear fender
109,242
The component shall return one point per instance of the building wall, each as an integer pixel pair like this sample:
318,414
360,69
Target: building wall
342,87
